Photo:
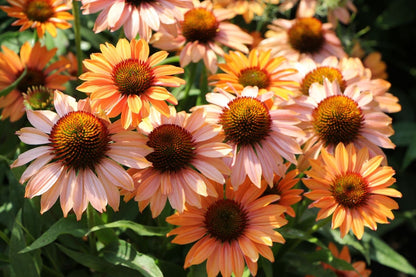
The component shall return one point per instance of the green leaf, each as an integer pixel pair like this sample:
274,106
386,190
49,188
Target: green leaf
88,260
350,241
399,12
385,255
63,226
140,229
14,84
123,253
21,264
404,134
410,155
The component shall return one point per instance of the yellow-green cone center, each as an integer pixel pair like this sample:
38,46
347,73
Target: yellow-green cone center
39,98
39,10
133,77
350,190
173,147
199,24
337,119
79,140
226,220
318,75
254,77
306,35
246,121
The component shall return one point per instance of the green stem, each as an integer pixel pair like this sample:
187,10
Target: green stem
190,72
77,34
91,223
170,60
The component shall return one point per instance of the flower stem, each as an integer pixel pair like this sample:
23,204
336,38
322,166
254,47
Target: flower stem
91,223
77,34
190,72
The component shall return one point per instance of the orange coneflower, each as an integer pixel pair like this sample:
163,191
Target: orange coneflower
38,73
246,8
353,188
230,230
330,116
300,37
44,15
200,34
187,157
259,131
257,69
125,80
136,17
79,157
283,183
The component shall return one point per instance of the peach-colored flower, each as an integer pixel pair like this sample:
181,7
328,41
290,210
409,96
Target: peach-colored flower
246,8
304,36
353,188
187,157
257,69
360,269
230,230
44,15
125,80
260,132
38,73
330,116
339,11
136,17
347,72
201,34
78,157
283,183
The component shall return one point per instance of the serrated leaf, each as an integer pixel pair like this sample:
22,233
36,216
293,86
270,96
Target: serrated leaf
140,229
14,84
123,253
63,226
385,255
21,264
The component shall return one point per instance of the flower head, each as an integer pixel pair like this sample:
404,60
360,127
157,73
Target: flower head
44,15
330,117
136,17
260,133
257,69
200,34
246,8
187,157
35,60
125,80
300,37
353,188
78,158
230,230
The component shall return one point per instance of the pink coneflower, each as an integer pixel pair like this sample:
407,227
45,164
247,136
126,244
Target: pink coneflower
330,116
304,36
79,157
230,230
136,17
260,132
200,36
187,157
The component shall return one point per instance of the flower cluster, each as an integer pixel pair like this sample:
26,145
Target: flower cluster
295,113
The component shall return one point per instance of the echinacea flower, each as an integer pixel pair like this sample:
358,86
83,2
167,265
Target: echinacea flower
230,230
125,80
353,188
330,116
257,69
78,157
259,131
136,17
246,8
186,158
38,73
300,37
360,269
283,183
44,15
201,34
